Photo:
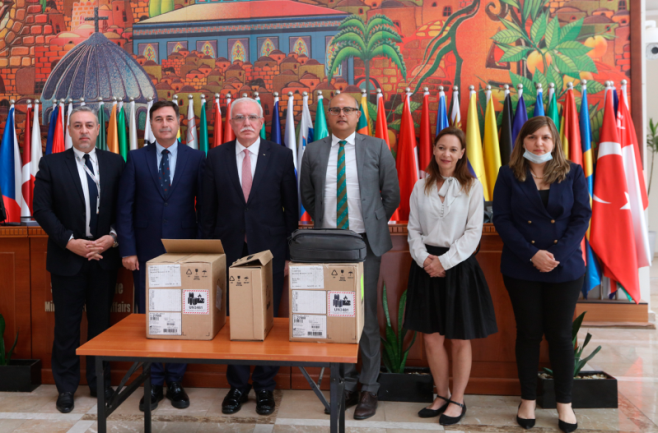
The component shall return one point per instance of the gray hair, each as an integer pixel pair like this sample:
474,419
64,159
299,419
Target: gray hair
243,101
84,108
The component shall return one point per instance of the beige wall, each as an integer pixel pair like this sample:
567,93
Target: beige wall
652,113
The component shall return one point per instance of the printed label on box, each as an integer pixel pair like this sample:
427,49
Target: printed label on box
308,302
309,326
165,323
306,277
196,301
164,275
164,300
340,304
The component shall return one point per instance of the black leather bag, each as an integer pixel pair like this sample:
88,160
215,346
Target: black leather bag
326,246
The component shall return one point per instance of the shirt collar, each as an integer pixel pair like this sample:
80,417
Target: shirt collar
253,148
351,140
79,155
173,149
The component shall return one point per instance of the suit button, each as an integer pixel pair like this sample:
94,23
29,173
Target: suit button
555,241
529,222
532,242
552,221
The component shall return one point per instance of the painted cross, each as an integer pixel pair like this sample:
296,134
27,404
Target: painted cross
96,19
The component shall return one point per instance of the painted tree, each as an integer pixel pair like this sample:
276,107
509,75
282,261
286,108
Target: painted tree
366,41
159,7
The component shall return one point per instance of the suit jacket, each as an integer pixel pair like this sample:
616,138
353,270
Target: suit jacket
378,184
59,207
145,215
269,216
526,226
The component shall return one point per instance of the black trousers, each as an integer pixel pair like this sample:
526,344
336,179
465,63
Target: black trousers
94,288
263,375
544,309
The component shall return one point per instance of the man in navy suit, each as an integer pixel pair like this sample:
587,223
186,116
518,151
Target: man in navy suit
250,203
158,196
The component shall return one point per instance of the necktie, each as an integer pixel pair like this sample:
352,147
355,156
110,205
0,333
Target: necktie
163,173
342,217
247,179
93,197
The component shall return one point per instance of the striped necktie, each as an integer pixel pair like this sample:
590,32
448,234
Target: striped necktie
342,216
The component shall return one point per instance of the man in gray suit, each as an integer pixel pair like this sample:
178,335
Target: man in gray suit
349,181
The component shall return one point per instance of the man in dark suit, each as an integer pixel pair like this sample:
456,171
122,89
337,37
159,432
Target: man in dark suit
75,195
158,197
361,197
250,203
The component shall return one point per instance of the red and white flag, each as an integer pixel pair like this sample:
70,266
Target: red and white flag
406,162
27,185
425,145
612,236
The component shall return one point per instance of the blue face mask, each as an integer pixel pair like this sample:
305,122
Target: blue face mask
537,159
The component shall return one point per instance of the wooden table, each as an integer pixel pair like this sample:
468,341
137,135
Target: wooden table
126,341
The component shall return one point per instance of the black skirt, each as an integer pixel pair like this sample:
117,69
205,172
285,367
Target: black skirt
457,306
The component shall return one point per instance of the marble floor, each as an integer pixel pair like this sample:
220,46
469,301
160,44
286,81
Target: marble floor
631,355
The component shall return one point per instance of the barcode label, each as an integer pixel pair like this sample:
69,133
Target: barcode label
164,323
307,326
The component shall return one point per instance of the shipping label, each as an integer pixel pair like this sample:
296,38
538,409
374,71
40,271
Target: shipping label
165,323
306,277
164,275
164,300
308,301
304,326
196,301
340,304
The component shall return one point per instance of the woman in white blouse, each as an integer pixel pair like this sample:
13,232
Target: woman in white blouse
447,296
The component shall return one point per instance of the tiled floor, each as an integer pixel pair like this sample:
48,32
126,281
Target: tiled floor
631,355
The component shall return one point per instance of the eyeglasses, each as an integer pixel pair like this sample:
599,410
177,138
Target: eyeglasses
347,110
240,118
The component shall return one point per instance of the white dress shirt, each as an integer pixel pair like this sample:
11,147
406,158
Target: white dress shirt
173,153
353,192
455,223
253,155
80,163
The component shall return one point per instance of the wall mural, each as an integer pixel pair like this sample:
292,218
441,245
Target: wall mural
51,49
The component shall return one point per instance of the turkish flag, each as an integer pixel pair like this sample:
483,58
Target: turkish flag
406,163
612,237
218,135
381,131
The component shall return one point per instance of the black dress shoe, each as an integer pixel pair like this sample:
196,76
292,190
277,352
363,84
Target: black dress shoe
109,393
450,420
367,406
564,426
156,396
177,395
264,402
233,401
351,399
65,402
431,413
526,423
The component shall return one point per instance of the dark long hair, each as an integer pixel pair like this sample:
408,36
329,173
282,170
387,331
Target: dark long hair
462,174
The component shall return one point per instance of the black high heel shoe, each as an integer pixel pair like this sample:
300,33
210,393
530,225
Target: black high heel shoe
450,420
431,413
567,427
523,422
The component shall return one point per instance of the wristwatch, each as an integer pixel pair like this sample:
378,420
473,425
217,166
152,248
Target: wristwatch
116,243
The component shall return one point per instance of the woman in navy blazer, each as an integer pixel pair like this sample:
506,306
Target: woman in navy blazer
542,211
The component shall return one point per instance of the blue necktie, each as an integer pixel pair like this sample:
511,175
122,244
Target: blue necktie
93,197
163,173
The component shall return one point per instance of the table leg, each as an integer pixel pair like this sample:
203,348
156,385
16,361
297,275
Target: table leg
337,395
147,397
100,392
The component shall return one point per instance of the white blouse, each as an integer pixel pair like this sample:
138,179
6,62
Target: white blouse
455,224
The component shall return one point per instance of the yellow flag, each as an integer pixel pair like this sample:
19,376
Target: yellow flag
491,148
474,146
112,133
565,139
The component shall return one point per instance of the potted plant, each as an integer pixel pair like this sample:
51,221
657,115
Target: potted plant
396,381
652,145
591,389
18,375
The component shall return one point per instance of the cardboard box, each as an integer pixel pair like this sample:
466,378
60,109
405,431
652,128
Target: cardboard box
326,302
186,290
251,297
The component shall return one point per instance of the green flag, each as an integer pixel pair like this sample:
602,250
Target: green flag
362,127
203,136
262,130
320,129
123,136
553,111
101,140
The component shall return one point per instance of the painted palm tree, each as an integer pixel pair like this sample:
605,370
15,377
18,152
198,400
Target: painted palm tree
376,38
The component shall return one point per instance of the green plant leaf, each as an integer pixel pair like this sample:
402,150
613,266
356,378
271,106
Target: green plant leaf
384,35
511,25
401,333
527,9
552,36
586,360
539,28
514,3
520,79
540,78
548,371
413,106
377,21
392,51
11,351
585,63
594,87
507,36
573,49
571,31
513,53
565,64
385,305
353,20
403,362
575,326
344,52
372,111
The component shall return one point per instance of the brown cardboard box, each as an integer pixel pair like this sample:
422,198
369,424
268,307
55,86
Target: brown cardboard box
186,290
326,302
251,297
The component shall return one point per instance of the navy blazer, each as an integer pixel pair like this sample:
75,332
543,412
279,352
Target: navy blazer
526,226
144,215
269,216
